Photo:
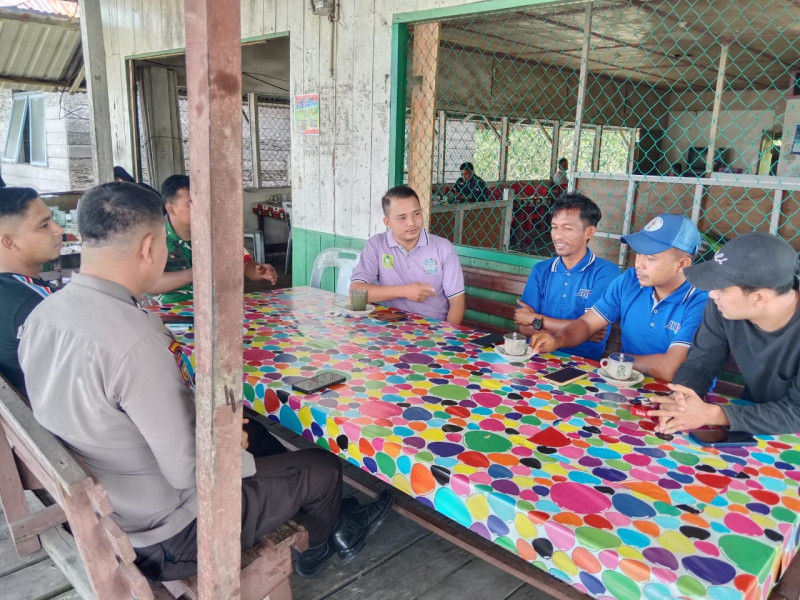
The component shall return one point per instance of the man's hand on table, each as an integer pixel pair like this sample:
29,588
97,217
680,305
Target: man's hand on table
684,410
542,342
418,292
256,271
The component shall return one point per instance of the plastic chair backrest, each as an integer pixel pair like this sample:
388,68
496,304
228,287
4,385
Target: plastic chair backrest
345,259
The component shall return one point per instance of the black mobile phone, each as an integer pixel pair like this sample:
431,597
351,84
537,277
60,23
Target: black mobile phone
318,382
387,316
176,318
485,341
721,438
566,375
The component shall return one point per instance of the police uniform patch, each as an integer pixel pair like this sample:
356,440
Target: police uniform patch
387,260
430,266
184,363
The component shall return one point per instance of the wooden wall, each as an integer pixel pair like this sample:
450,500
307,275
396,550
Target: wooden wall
339,176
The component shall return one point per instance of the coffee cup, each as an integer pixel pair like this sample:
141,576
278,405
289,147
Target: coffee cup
358,300
618,365
514,344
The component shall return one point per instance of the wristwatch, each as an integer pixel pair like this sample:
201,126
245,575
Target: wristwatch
537,323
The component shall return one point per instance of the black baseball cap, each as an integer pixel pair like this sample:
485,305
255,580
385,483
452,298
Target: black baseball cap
758,260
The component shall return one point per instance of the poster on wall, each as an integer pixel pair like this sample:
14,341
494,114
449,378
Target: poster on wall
796,141
306,114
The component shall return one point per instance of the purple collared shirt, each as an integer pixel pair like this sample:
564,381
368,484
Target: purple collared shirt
433,261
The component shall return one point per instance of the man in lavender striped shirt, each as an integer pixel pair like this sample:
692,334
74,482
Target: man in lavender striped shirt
408,268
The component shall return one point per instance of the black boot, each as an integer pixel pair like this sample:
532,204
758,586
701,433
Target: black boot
356,523
311,562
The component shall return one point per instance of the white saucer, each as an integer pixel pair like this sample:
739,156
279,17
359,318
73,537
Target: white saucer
636,377
516,357
346,310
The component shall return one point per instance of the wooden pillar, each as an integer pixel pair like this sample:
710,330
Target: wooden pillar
712,132
214,81
94,61
255,138
424,62
587,34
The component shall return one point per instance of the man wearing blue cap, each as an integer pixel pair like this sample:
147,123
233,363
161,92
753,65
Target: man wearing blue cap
754,317
657,308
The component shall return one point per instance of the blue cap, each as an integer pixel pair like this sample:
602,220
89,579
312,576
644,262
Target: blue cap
665,232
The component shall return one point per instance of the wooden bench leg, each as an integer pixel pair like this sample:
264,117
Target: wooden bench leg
283,591
12,496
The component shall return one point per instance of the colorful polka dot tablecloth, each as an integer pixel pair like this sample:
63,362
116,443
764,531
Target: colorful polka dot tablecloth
565,477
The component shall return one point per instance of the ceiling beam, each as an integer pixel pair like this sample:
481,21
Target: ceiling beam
43,83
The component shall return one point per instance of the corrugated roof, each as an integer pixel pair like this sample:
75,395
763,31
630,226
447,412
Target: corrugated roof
64,8
40,44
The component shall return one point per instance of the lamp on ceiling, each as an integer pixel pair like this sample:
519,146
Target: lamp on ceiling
323,7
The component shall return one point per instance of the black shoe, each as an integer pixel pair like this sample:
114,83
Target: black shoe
356,523
312,561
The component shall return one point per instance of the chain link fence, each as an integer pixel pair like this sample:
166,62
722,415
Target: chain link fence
680,106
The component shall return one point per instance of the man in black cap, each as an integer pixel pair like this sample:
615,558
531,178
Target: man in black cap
469,187
754,317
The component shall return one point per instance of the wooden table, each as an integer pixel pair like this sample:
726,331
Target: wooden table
565,478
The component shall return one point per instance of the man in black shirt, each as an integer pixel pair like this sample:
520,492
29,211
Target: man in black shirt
28,238
754,317
469,187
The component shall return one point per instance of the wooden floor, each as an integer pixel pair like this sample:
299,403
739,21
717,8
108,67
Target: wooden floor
401,561
34,577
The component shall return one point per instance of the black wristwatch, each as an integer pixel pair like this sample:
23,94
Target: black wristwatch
537,323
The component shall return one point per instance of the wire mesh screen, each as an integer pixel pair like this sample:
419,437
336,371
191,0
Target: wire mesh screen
646,107
274,128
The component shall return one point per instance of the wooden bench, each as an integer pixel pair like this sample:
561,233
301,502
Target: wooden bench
102,567
492,281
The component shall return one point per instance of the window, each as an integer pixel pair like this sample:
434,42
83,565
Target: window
616,146
530,146
27,137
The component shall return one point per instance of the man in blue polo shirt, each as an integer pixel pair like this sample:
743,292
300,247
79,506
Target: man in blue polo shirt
408,268
564,287
657,308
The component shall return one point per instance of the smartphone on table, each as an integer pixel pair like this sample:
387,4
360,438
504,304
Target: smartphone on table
565,375
488,340
722,438
320,381
387,316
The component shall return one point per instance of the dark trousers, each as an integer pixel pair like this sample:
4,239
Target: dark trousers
305,486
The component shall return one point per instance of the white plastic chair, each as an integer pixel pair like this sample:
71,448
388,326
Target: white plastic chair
287,207
344,259
257,237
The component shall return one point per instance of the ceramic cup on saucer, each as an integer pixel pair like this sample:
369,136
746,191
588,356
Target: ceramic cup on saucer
358,300
515,344
618,365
